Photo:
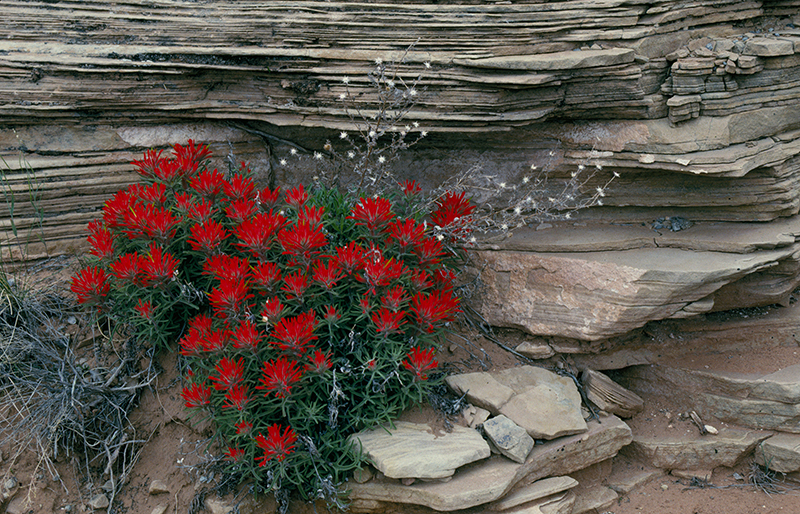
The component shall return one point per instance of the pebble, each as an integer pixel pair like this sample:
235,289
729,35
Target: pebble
99,502
158,487
664,487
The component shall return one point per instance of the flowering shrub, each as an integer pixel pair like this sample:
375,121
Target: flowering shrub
302,316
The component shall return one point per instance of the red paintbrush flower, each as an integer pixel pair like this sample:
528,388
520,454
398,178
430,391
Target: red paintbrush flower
115,208
161,226
302,240
364,304
145,309
266,276
208,184
234,454
410,187
272,311
277,445
170,172
184,202
150,163
443,279
331,315
240,210
199,329
238,188
257,234
294,285
311,215
296,197
196,396
243,427
295,333
421,279
201,210
155,194
405,233
226,267
381,272
429,252
434,309
320,362
207,237
279,376
388,322
91,285
190,156
451,211
159,267
394,298
373,213
419,361
216,341
268,198
231,373
101,239
237,398
228,299
136,220
350,258
127,267
246,336
326,273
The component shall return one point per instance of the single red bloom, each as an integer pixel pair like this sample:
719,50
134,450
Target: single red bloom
371,364
207,236
276,445
101,239
150,163
199,329
208,183
394,298
114,210
311,215
161,226
239,187
434,309
196,396
452,209
387,321
243,427
380,272
429,251
302,240
443,279
230,372
237,398
145,309
405,233
191,156
91,285
279,376
257,234
266,276
294,285
331,315
246,336
326,273
272,311
410,187
268,198
216,341
418,361
350,258
155,194
234,454
229,297
364,304
295,333
421,279
192,344
240,210
226,267
184,202
320,362
201,210
296,197
171,171
136,220
158,267
374,213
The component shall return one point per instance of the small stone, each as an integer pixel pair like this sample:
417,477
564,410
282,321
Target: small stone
481,415
664,487
535,350
99,502
689,474
108,486
159,509
711,430
362,475
408,481
512,440
158,487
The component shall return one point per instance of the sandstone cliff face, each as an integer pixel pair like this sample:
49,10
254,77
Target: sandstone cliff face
696,106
